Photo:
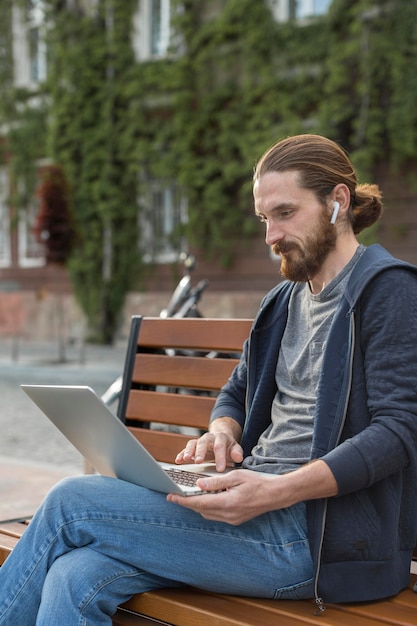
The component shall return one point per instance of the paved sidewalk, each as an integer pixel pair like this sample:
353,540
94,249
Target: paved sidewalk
23,486
34,455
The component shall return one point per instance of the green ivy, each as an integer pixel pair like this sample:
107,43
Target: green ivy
371,81
87,82
234,82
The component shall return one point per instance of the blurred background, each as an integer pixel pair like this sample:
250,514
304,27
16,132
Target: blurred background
129,130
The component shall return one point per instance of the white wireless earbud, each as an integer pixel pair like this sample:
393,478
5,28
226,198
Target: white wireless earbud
336,207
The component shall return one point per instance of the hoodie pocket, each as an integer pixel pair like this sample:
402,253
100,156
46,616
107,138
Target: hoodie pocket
353,529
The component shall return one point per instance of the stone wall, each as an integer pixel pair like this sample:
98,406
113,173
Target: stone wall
30,316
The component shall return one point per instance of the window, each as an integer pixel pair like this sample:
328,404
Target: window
152,29
284,10
29,47
159,27
161,223
5,252
31,253
308,8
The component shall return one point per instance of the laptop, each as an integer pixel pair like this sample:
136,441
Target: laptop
102,438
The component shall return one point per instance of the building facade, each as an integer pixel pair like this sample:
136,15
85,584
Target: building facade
163,217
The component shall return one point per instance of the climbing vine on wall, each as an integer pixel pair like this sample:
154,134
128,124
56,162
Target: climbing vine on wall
234,82
370,85
89,83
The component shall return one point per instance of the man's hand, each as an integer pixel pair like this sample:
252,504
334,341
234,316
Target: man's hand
245,494
219,445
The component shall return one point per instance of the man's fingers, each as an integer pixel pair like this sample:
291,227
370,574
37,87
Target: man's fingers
188,453
213,483
196,450
204,448
236,453
219,446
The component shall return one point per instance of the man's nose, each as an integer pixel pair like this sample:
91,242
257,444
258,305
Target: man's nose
273,234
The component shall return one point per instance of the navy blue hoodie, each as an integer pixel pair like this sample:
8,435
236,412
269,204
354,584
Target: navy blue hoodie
365,425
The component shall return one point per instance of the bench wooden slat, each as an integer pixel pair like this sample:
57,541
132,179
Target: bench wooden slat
7,543
10,533
167,355
387,611
184,410
124,618
408,597
14,529
191,607
163,446
181,371
198,334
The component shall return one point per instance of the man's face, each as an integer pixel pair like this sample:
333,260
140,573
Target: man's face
297,225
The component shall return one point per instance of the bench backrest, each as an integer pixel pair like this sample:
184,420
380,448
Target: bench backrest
173,371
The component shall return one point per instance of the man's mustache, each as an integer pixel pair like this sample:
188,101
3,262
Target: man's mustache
283,248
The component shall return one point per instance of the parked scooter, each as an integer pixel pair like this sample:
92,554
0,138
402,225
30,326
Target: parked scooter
183,303
184,300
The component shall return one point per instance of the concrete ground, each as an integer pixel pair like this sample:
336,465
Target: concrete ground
34,455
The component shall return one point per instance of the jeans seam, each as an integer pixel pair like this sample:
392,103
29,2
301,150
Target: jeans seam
101,585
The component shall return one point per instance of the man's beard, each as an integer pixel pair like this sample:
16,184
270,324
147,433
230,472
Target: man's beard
302,263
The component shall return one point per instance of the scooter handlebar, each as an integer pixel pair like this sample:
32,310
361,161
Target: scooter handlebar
192,299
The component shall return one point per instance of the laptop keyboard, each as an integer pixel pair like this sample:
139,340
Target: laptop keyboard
184,477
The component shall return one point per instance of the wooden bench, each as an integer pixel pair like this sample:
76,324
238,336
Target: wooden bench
167,385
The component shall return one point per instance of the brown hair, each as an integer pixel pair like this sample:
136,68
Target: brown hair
322,165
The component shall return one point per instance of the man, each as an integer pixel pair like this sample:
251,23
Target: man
320,414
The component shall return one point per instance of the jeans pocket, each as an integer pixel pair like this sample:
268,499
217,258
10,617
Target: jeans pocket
301,591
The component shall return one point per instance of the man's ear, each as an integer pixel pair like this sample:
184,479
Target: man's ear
341,195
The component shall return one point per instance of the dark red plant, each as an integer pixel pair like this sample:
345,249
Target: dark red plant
54,226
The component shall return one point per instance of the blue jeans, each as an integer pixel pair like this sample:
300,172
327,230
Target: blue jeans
95,541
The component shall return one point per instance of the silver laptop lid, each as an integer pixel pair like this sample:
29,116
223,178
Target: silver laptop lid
80,414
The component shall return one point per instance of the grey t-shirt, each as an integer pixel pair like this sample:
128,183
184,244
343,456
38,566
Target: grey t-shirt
286,443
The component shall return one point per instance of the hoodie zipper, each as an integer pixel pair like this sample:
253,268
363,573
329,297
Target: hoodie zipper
248,359
321,607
